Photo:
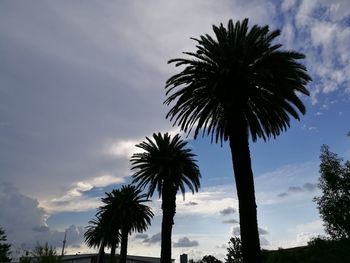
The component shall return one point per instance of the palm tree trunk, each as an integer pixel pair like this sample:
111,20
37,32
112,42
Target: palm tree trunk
239,144
124,245
169,210
101,252
113,248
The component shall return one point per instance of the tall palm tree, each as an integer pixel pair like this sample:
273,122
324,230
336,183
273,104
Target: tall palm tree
124,208
238,84
165,165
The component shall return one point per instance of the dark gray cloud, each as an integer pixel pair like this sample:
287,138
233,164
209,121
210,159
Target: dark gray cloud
307,187
282,195
191,203
228,211
310,187
185,242
294,189
40,228
153,239
262,231
25,222
141,236
223,246
230,221
264,241
236,231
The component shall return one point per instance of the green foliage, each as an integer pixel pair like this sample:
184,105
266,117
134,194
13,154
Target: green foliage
318,251
334,203
209,259
42,254
4,248
234,251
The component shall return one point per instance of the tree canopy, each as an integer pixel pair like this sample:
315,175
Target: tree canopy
238,84
334,202
166,165
234,251
4,247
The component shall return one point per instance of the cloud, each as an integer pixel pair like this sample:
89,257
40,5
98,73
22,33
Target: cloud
75,199
230,221
210,201
228,211
223,246
125,148
156,238
306,188
25,223
262,231
264,242
191,204
185,242
236,231
40,229
321,25
300,234
141,236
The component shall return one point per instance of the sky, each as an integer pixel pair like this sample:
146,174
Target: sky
82,82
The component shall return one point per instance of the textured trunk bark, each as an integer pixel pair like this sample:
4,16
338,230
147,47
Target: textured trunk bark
124,245
169,210
239,144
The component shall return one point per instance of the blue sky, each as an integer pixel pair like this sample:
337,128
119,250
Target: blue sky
82,82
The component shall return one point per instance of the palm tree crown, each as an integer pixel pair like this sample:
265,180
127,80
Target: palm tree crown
125,209
95,233
165,160
233,86
165,165
241,75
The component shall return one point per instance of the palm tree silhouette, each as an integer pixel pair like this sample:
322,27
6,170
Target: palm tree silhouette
124,209
95,237
101,233
165,165
237,85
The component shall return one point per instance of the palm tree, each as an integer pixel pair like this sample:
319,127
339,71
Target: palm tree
124,208
101,233
166,165
235,85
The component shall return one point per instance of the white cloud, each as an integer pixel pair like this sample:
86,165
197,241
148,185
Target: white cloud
76,200
127,147
287,5
124,148
210,201
300,235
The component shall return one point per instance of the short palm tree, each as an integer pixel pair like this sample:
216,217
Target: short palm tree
101,233
165,165
238,84
124,208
